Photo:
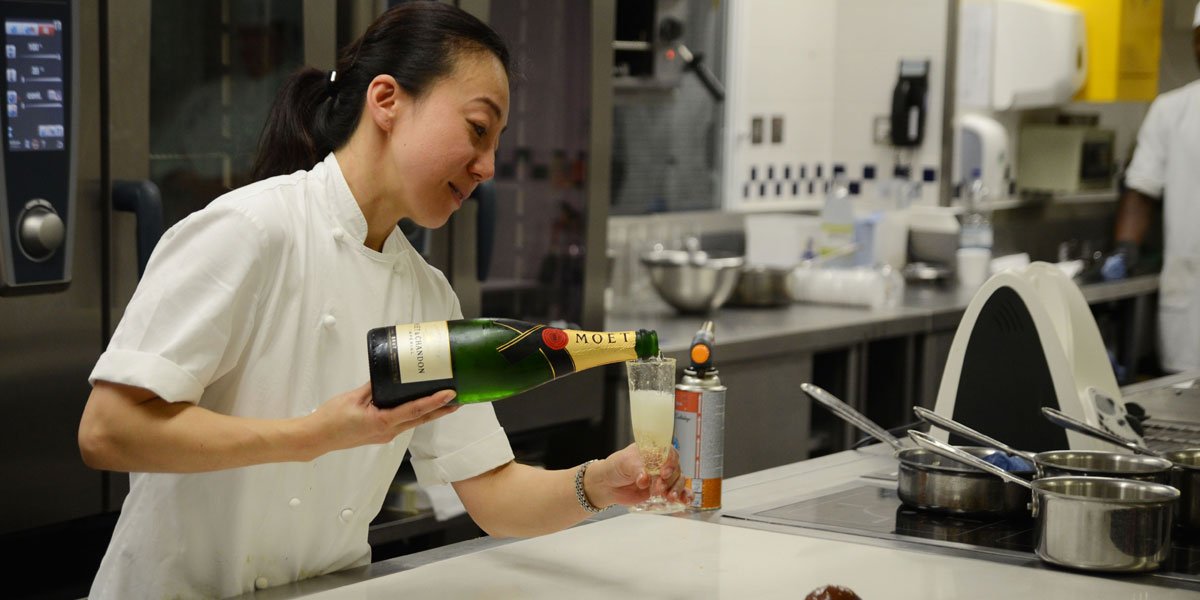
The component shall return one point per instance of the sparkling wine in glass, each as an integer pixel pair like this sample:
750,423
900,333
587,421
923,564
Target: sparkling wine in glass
652,409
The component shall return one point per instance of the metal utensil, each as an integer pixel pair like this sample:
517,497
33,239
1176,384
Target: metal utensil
1051,463
1089,523
693,281
927,481
1185,475
1061,419
847,412
760,285
977,436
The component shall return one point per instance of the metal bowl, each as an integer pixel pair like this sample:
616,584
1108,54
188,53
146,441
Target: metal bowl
762,286
693,281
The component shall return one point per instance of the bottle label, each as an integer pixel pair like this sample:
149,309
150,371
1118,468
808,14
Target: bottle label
594,348
567,350
422,351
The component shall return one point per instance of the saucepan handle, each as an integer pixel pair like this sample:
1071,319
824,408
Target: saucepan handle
976,436
855,418
1062,420
945,450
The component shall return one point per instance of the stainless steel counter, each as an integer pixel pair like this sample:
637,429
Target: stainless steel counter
745,332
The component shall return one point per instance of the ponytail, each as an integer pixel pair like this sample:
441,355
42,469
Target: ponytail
290,139
417,43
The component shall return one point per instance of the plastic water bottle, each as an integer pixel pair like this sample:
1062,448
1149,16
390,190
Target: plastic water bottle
977,216
974,254
837,219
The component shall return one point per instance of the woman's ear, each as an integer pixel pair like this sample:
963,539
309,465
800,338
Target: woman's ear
385,101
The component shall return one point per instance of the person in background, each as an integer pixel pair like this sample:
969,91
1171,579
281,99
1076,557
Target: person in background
233,388
1166,166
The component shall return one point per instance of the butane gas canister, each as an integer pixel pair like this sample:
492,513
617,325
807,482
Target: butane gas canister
700,424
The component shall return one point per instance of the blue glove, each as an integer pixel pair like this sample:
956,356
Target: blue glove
1119,264
1114,267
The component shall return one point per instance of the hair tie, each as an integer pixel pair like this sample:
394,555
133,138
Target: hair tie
331,83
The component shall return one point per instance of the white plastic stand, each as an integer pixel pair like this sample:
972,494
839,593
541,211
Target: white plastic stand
1028,339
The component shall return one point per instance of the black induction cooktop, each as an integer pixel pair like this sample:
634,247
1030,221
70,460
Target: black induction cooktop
873,511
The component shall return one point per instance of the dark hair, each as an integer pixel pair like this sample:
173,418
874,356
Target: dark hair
416,42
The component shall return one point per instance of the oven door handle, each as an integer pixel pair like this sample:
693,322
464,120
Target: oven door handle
142,198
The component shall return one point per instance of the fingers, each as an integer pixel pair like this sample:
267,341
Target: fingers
419,409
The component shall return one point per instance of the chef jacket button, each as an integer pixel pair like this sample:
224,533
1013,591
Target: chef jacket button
329,321
338,233
347,514
294,503
261,583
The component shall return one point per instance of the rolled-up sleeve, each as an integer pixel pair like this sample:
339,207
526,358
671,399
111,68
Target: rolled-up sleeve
1147,173
194,309
459,446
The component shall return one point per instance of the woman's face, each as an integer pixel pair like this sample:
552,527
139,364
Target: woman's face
445,144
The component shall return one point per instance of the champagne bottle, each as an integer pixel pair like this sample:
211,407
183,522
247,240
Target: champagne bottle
488,359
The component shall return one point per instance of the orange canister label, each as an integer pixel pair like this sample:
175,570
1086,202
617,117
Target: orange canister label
700,441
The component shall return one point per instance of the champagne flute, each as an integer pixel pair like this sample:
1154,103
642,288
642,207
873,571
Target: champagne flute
652,408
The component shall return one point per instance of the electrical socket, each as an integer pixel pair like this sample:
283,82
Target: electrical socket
881,130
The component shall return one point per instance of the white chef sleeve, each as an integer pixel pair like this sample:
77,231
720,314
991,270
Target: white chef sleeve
1147,172
195,307
459,446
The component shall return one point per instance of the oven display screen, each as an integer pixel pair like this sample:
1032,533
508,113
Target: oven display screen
33,74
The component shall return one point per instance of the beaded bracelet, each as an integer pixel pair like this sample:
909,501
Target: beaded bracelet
579,495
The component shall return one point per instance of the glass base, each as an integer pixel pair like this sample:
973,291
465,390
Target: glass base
657,505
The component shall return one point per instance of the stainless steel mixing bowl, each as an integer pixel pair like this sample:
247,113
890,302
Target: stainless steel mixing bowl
693,281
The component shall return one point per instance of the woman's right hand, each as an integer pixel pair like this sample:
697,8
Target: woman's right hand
350,419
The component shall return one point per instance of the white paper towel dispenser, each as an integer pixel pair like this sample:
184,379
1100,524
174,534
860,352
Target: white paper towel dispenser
1016,54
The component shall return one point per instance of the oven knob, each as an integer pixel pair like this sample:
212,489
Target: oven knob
40,230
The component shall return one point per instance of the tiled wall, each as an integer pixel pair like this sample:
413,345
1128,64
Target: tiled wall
819,72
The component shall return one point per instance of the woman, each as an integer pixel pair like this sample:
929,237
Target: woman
233,389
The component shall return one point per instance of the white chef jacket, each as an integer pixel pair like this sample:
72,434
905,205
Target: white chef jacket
1167,164
258,306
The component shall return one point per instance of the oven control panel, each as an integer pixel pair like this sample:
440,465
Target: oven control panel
37,173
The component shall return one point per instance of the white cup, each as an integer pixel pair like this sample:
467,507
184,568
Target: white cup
974,266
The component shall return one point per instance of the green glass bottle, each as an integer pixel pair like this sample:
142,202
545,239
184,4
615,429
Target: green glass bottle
488,359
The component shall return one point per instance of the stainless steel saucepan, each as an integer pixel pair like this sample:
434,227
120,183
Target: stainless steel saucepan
927,481
1051,463
1090,523
1185,475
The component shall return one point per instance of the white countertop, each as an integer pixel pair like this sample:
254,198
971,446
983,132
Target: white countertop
646,556
711,556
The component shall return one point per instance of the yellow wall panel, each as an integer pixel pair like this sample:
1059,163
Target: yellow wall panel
1124,39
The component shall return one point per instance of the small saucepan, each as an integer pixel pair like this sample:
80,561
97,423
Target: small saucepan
1185,475
928,481
1089,523
1053,463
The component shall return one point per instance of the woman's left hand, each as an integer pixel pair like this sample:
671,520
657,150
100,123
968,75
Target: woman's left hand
622,479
